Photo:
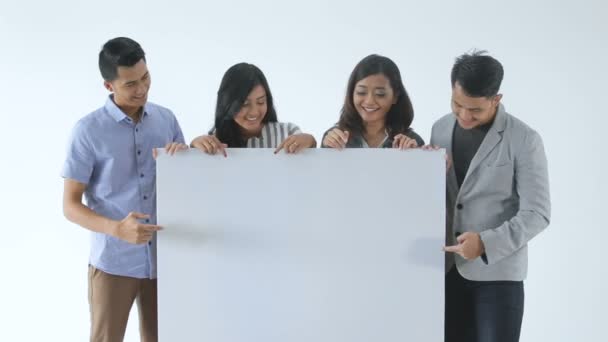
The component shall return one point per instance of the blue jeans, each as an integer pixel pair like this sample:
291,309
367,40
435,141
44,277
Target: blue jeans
482,311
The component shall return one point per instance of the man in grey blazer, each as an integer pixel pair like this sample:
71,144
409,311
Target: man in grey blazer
497,201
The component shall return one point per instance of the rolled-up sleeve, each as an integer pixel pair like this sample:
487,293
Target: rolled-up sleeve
80,158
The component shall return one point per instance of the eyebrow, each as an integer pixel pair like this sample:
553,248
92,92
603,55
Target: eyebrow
259,98
377,88
471,108
131,82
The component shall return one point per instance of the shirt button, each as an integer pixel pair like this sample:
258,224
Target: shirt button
145,197
137,130
459,206
147,220
141,175
149,243
138,152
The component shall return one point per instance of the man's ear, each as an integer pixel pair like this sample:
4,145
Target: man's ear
497,99
108,86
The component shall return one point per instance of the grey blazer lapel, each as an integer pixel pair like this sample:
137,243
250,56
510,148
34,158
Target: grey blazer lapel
493,137
451,180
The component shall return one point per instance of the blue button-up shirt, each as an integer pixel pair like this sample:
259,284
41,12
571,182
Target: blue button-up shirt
112,155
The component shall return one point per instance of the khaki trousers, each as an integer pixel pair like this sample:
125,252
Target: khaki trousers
110,300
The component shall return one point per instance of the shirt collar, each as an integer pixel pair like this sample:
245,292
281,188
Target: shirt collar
116,113
365,145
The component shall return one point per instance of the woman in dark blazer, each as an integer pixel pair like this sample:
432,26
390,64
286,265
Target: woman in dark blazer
377,110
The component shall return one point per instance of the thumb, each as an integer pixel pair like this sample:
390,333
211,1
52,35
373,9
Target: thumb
138,215
462,237
346,134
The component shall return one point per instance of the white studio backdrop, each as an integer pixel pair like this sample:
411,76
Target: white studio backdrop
554,54
255,250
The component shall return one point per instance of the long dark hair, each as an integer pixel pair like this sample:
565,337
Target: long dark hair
237,83
399,117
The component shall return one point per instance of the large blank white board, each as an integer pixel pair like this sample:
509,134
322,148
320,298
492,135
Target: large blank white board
321,246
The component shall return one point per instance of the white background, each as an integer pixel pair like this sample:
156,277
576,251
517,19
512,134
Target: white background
554,56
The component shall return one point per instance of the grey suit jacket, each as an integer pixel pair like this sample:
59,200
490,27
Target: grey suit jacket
504,197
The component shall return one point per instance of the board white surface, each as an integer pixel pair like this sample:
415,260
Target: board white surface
321,246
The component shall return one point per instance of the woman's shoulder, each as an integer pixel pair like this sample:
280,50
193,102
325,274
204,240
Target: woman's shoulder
336,125
282,125
278,131
412,134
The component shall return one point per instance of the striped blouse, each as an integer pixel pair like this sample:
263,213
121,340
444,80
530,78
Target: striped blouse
273,134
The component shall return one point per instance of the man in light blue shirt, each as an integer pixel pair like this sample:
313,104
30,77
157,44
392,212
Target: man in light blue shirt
110,161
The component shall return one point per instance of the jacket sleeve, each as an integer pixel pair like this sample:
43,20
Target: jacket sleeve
533,216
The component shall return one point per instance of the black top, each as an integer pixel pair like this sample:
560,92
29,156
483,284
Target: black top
465,143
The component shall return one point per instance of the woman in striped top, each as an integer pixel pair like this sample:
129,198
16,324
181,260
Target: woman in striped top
377,110
245,116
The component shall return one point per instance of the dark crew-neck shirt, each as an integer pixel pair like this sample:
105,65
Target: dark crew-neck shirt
465,143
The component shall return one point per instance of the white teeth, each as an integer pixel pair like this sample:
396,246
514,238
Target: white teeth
251,119
370,109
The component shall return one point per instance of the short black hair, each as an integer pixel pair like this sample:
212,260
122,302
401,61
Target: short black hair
121,51
238,81
479,74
